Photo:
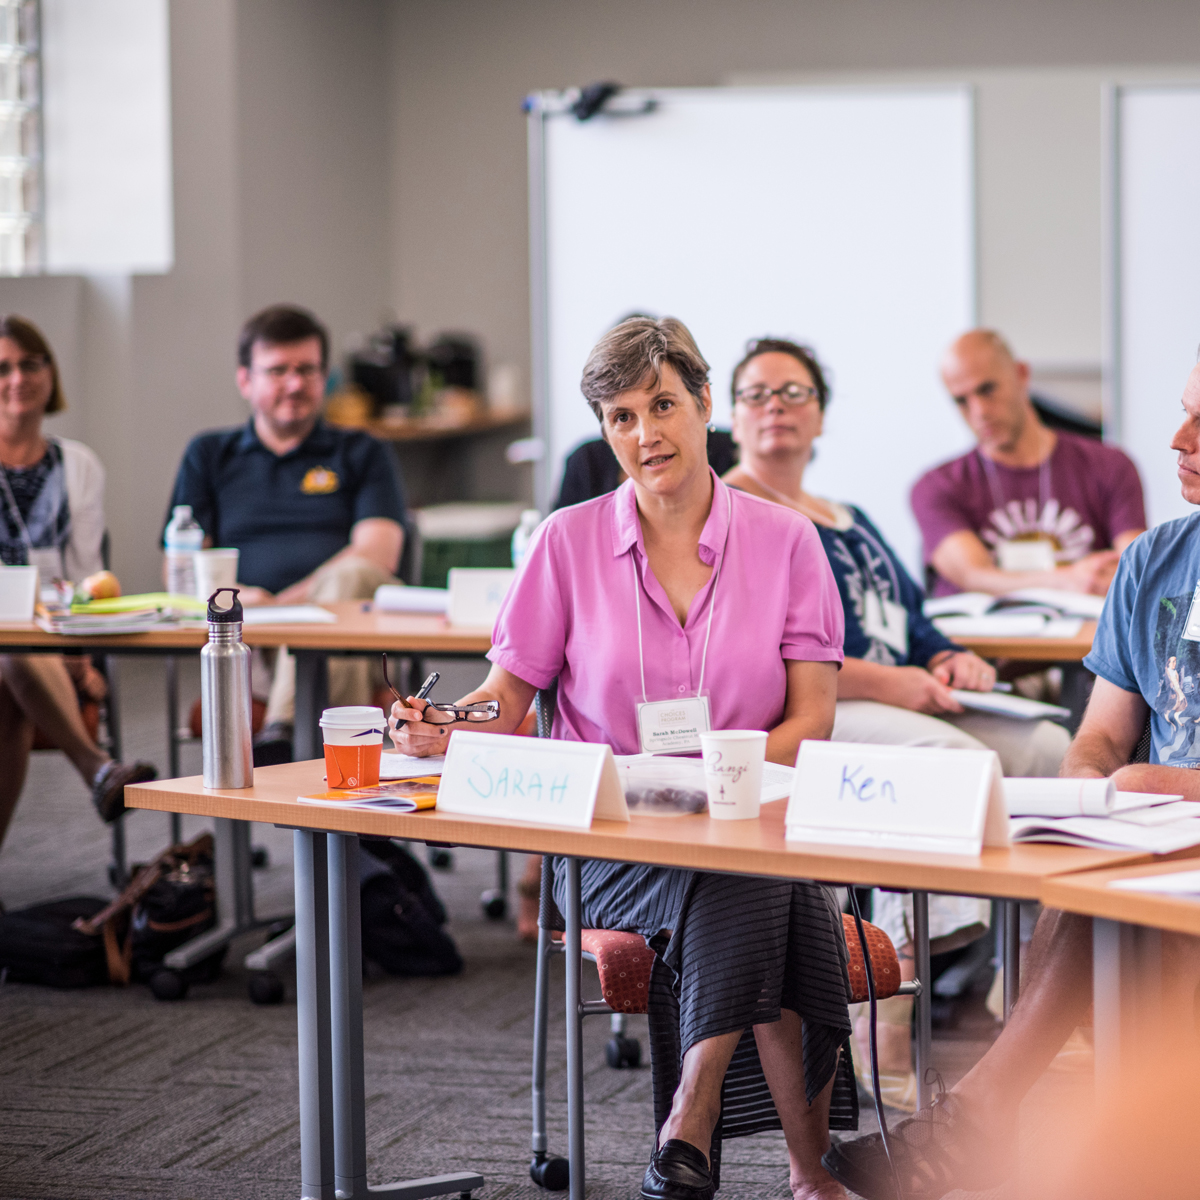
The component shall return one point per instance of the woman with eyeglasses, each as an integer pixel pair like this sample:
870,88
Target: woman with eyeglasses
672,594
895,686
51,517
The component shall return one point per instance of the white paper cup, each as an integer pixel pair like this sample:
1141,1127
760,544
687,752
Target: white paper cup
214,569
733,770
353,738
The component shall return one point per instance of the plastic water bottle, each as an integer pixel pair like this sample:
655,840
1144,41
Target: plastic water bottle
225,697
530,520
182,539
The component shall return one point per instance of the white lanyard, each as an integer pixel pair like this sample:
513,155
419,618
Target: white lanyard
637,605
989,469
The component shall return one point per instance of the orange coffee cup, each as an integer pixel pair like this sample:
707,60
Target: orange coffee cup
353,738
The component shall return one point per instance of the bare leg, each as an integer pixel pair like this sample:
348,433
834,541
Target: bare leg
43,691
1056,992
696,1105
16,736
805,1126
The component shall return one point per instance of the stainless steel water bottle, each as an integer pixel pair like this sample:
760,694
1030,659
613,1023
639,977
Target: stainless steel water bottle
225,697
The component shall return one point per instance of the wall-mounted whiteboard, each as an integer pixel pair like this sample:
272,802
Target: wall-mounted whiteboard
842,218
1156,284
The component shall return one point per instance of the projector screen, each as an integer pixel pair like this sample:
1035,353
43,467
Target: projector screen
843,219
1156,292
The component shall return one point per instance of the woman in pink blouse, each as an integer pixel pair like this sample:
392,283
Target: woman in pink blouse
671,588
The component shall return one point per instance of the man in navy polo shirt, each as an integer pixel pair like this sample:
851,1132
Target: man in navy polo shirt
316,512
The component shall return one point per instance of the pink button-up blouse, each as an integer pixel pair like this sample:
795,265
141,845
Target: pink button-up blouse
570,615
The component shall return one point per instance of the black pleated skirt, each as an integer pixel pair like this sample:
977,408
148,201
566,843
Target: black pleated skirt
740,950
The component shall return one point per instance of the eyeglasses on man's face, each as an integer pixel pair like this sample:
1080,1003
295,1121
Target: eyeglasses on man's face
27,366
792,394
304,371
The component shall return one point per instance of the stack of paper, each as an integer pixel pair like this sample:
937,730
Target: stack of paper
405,795
406,766
1010,706
392,597
1091,812
1030,612
89,624
288,614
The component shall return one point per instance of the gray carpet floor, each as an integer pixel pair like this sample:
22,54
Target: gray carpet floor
108,1093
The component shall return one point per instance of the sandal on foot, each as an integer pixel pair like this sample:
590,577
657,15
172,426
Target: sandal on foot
935,1152
108,787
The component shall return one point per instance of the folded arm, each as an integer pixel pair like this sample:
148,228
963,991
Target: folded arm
966,562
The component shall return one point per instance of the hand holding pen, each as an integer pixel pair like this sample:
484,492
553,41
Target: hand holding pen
421,727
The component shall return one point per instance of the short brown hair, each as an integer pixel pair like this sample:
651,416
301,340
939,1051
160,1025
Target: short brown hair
281,325
804,355
32,341
633,353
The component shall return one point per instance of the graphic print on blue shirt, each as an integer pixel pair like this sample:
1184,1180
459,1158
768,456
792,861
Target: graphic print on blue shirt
1178,700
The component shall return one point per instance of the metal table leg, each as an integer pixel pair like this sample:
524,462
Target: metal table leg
172,673
1012,955
312,1016
1126,995
923,1001
574,964
312,693
348,1107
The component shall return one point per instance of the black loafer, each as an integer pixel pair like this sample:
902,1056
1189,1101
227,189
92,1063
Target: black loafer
108,788
678,1171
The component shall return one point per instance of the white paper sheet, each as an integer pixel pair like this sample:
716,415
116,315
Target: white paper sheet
405,766
970,604
1107,834
1008,705
288,614
993,625
1070,604
1178,883
391,597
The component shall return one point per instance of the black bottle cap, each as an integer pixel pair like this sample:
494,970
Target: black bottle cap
225,616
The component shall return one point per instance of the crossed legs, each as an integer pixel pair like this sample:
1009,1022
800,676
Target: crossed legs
36,691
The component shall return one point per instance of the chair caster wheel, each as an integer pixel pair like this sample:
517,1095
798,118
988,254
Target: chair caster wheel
550,1172
440,860
265,987
259,858
494,904
621,1051
168,985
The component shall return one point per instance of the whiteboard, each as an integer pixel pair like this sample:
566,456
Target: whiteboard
1156,290
844,219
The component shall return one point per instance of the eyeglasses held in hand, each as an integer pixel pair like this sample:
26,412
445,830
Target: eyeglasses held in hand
446,714
792,394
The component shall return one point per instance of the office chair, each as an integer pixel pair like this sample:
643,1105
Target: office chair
624,963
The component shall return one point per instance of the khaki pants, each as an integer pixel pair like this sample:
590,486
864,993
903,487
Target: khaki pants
350,679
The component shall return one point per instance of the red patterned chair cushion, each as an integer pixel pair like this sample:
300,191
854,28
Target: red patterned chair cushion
884,963
623,961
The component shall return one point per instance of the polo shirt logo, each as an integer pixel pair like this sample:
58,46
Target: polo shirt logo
319,481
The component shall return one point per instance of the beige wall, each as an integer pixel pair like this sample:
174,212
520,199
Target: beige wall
461,67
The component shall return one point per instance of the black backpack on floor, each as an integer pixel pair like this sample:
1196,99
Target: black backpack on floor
402,917
39,944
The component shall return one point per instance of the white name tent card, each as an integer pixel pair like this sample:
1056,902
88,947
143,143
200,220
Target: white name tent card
18,593
543,780
897,798
476,594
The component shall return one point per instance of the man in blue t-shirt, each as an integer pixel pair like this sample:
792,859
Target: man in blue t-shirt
316,512
1146,657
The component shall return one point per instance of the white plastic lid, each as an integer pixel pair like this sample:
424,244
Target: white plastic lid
353,716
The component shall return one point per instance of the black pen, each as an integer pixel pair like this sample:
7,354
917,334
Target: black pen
427,687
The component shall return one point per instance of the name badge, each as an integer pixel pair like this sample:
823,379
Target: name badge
1191,631
897,798
1034,554
673,726
885,621
544,780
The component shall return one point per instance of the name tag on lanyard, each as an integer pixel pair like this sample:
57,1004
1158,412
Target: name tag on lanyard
885,621
1031,554
673,726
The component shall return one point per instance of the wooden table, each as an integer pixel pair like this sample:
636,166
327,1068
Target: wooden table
328,933
359,630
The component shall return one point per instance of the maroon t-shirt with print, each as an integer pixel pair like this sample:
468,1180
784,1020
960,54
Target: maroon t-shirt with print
1084,496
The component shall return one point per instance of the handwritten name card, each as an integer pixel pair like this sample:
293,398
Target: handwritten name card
897,798
544,780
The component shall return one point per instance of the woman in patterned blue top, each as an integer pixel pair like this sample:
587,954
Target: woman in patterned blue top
895,687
